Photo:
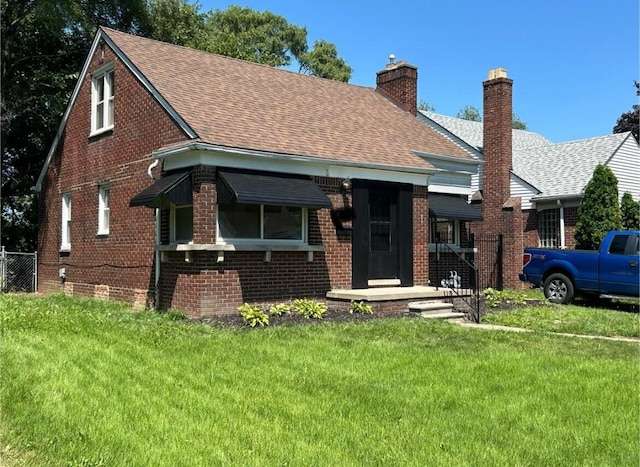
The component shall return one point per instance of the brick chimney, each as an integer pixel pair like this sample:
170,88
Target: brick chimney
502,214
399,81
496,137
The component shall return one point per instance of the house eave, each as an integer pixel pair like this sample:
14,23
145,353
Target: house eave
211,154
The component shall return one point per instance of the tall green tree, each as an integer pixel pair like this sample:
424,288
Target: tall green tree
630,121
599,210
630,211
177,22
518,124
424,105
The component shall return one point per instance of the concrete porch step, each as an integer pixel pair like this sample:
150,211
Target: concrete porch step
435,310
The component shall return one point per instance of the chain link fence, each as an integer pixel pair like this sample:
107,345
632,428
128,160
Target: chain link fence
18,271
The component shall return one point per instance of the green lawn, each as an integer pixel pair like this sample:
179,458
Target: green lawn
89,383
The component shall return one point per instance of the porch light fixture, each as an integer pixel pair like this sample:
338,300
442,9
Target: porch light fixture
346,185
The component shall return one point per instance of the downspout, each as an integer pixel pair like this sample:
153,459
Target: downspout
562,237
156,284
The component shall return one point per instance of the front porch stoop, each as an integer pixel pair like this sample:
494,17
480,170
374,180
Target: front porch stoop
435,310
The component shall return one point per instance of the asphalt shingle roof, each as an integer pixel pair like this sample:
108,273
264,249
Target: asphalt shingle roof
565,168
239,104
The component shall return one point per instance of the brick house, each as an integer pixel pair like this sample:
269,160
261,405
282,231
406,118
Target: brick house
190,180
529,188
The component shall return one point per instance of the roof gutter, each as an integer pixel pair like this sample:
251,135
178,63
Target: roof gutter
556,197
199,146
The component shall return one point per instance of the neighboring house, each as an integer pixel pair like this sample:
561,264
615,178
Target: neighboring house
546,179
195,181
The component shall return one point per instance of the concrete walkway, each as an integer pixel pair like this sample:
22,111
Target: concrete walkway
497,327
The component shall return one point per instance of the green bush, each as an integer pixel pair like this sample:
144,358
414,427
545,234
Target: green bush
253,315
360,307
630,210
279,309
309,308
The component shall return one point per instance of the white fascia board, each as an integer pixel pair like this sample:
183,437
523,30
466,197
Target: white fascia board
201,154
450,189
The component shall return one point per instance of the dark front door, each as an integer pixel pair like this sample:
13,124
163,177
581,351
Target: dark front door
382,241
383,234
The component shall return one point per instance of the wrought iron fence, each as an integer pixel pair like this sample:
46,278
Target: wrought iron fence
18,271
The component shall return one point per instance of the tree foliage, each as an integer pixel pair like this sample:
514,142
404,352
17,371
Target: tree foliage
469,112
518,124
630,211
424,105
45,42
599,210
630,121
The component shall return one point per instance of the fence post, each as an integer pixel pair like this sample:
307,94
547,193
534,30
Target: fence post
3,269
500,271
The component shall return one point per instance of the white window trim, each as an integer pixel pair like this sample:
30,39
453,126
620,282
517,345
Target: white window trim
101,74
104,193
172,224
65,238
262,241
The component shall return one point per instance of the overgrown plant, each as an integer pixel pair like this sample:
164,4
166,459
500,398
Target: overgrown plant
360,307
253,315
309,308
493,298
280,309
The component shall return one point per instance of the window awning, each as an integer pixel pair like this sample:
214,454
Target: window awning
174,188
270,188
452,207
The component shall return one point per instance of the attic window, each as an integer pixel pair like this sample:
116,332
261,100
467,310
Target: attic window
102,99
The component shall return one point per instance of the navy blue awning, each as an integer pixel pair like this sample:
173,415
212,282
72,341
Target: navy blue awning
453,207
175,189
269,188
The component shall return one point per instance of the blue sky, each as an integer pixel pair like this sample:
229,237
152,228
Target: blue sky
573,62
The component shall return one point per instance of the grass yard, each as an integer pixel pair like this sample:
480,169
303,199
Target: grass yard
90,383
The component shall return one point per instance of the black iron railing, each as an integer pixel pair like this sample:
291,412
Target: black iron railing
461,277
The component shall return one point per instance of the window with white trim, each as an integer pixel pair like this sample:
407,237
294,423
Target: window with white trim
102,99
261,223
444,230
65,242
548,228
103,210
181,224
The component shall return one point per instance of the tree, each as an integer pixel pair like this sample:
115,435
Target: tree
177,22
630,121
630,211
424,105
267,38
518,124
599,211
470,113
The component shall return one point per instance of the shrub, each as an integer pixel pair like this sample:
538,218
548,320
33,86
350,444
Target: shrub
253,315
309,308
493,298
280,309
630,210
360,307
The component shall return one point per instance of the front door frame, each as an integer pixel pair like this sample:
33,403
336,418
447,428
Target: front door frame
361,238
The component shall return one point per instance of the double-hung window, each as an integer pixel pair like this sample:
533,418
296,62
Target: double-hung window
65,242
261,223
102,99
548,228
103,210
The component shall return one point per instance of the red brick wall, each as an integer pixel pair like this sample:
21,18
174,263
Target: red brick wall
124,258
400,82
531,238
570,220
420,236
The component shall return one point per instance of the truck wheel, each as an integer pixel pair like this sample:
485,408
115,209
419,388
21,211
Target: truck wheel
558,288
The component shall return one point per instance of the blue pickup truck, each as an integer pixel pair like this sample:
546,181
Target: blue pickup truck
612,271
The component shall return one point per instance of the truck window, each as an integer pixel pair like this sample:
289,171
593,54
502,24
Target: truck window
618,244
636,246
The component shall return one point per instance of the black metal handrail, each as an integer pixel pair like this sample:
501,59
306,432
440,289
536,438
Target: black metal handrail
454,283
